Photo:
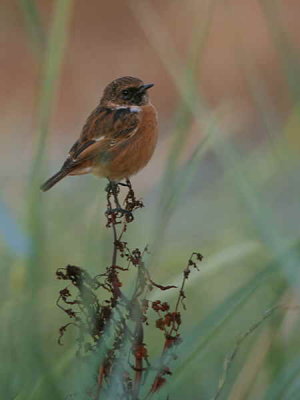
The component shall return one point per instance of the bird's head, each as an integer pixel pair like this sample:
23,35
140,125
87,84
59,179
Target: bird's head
126,91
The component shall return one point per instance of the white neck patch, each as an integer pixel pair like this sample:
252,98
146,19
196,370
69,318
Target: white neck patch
134,109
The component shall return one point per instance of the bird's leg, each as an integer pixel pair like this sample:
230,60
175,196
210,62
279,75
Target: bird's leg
130,193
113,189
115,192
127,183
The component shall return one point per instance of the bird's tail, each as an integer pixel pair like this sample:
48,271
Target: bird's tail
54,179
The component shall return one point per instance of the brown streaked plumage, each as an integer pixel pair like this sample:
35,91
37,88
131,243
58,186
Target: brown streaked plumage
118,138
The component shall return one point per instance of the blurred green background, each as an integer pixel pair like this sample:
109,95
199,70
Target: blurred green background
224,181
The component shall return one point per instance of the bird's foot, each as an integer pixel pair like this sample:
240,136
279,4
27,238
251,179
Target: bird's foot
113,189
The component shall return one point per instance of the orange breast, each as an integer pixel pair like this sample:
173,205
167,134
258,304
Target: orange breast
135,153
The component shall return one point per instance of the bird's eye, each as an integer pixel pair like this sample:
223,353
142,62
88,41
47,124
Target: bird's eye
125,94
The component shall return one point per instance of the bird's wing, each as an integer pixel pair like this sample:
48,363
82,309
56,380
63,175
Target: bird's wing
103,131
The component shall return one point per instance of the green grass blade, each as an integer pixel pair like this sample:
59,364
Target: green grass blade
34,26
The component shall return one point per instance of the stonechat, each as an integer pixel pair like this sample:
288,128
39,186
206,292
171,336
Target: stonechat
118,138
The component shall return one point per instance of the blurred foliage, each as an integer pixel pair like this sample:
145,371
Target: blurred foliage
237,204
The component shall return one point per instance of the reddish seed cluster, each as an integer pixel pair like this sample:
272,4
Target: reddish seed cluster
170,319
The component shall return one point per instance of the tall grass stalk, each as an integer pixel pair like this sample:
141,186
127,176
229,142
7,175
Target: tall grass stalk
185,77
34,26
51,63
50,73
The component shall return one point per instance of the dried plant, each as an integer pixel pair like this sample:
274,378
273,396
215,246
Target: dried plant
98,305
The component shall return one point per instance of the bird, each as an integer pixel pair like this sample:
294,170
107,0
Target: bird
118,138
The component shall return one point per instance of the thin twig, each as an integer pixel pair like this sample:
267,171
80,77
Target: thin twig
230,358
127,316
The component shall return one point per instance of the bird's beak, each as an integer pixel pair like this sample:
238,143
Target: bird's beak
143,88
